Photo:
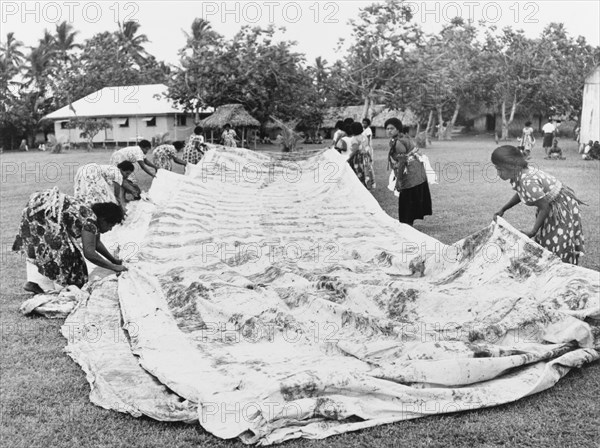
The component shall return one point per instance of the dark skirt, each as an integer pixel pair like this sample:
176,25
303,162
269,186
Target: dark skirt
414,203
548,140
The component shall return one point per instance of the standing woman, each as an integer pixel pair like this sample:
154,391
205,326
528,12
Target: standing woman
57,234
165,154
359,157
229,136
527,139
195,147
557,224
102,183
411,179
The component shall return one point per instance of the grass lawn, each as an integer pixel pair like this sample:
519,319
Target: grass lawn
44,395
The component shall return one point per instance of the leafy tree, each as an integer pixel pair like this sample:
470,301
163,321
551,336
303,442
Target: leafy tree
89,127
375,60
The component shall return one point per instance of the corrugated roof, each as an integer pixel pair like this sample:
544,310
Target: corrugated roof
121,101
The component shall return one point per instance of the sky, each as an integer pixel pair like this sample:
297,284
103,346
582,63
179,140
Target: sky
316,26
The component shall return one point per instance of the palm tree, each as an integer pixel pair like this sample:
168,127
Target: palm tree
13,56
64,41
130,44
202,33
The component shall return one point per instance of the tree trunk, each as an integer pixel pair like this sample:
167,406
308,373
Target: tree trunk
507,121
428,128
448,132
366,107
504,123
440,124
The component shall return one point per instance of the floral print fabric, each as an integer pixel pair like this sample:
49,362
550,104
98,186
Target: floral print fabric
50,225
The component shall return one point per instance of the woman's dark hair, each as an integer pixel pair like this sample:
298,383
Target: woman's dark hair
144,144
509,156
108,211
528,123
406,130
179,145
349,121
339,124
394,122
126,165
367,121
355,128
227,125
198,130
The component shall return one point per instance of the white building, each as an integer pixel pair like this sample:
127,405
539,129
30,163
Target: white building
135,112
590,111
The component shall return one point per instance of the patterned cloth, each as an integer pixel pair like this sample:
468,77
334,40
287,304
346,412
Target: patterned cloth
562,232
361,161
408,169
133,154
228,138
193,150
51,224
163,156
94,183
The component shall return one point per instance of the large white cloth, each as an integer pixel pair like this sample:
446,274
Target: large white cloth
250,296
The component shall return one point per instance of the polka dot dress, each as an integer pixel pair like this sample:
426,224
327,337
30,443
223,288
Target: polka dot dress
561,232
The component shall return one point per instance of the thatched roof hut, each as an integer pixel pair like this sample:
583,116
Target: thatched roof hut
234,114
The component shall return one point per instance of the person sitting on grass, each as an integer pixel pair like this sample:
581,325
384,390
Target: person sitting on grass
164,155
50,223
555,152
557,224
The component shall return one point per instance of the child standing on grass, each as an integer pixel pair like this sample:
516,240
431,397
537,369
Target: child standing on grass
527,139
558,222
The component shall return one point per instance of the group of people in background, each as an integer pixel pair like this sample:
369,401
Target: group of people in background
354,141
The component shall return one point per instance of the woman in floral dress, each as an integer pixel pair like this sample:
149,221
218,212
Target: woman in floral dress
164,155
229,136
102,183
195,147
557,225
56,233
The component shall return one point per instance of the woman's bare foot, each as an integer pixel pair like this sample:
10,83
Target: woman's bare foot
33,287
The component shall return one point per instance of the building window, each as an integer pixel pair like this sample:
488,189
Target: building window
123,122
64,125
150,121
181,120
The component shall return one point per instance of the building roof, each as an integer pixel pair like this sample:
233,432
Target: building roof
122,101
380,114
234,114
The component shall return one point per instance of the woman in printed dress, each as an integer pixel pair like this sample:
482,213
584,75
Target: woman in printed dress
557,225
359,157
102,183
527,139
414,201
195,147
164,155
57,232
136,155
229,136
